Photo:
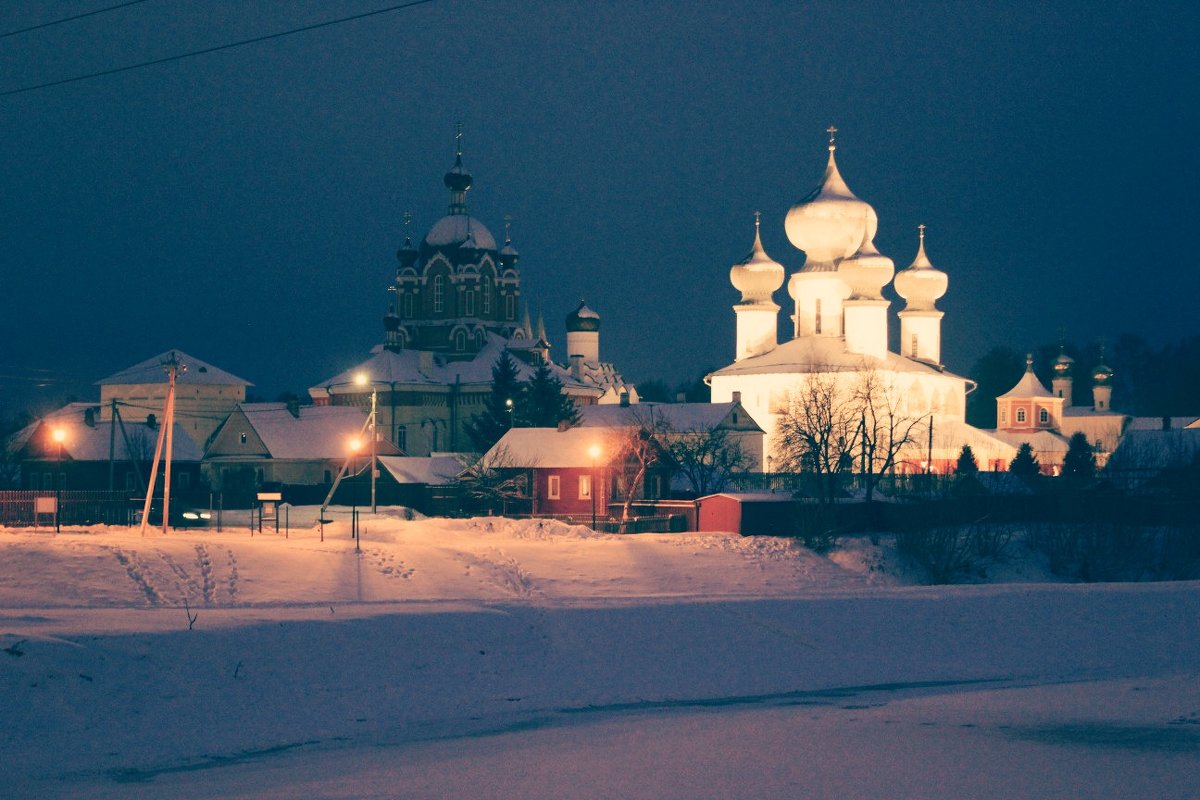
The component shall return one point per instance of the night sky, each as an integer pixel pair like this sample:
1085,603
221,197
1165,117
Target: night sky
245,206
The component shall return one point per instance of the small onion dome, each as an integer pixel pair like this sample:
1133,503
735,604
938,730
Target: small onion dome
756,276
508,255
583,319
922,283
457,179
1102,375
830,223
407,255
1063,364
867,272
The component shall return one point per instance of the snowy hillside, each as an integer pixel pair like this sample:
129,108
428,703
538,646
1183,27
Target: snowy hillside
494,658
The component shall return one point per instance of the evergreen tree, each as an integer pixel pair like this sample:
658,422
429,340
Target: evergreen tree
544,403
1025,463
995,373
1079,464
486,428
967,465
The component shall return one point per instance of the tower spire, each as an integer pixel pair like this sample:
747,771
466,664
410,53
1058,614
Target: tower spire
832,131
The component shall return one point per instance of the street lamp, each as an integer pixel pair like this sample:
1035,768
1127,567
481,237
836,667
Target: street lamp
594,452
59,435
361,379
508,406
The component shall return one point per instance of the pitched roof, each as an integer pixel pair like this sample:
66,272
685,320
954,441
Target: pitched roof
151,371
319,432
550,447
436,470
806,354
676,417
91,443
1028,386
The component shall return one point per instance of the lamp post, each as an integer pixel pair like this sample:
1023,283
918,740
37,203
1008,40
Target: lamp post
59,435
508,406
361,379
594,452
355,445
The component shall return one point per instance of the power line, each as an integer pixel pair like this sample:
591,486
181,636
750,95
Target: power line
218,48
70,19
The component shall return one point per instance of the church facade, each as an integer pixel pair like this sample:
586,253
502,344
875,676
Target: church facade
839,332
453,308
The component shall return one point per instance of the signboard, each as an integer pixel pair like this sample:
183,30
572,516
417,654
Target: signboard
276,496
43,505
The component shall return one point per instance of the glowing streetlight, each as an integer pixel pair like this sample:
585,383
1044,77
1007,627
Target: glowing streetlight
362,379
59,435
508,406
594,452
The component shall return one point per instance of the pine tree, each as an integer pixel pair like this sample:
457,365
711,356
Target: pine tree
544,403
486,428
1079,464
967,465
1025,463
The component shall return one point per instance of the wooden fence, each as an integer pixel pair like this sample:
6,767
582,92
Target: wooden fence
18,509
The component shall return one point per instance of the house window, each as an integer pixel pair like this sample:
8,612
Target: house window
510,306
242,438
408,301
469,304
460,341
1004,416
553,487
1020,415
817,317
1043,416
439,293
585,487
485,290
402,437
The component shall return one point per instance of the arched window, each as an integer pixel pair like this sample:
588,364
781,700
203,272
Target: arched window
485,292
1044,416
1020,415
510,306
439,293
460,341
469,303
817,317
479,338
408,305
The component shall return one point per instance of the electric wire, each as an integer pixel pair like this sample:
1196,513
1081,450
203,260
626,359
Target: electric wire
70,19
215,49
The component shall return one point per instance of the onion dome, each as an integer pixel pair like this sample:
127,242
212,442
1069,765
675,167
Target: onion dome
756,276
1102,374
583,319
867,272
458,180
508,254
922,283
1063,364
407,254
830,223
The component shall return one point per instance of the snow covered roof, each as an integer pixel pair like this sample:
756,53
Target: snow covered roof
460,229
1040,441
1028,386
409,367
1156,423
1088,411
91,443
752,497
436,470
550,447
151,371
676,417
319,432
1156,449
813,354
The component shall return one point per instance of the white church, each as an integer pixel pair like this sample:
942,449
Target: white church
840,322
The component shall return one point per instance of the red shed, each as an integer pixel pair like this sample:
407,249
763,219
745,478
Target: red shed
747,513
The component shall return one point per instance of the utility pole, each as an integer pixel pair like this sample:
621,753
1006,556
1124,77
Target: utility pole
173,368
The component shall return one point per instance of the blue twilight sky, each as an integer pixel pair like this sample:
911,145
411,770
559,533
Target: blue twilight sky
246,206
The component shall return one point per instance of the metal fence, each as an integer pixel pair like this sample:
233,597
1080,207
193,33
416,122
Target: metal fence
19,509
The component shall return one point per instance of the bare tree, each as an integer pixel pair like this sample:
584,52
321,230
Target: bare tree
495,479
819,431
638,448
707,458
884,429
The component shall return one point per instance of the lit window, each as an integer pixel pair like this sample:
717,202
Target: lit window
1043,416
1004,415
439,293
1020,415
585,487
242,438
553,487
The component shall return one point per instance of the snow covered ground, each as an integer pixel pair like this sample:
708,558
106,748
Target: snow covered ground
495,658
